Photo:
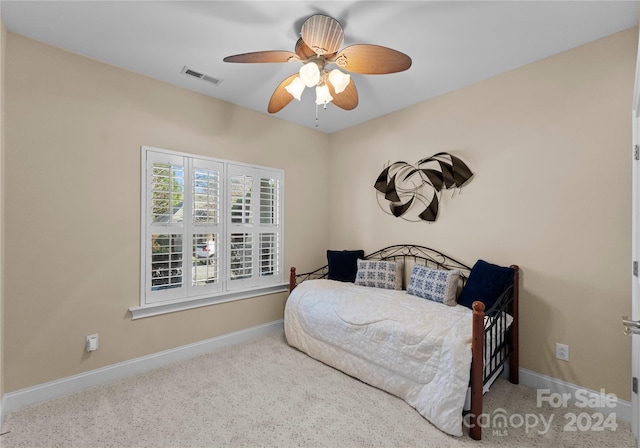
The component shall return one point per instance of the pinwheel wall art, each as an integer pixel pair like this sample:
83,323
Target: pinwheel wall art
413,191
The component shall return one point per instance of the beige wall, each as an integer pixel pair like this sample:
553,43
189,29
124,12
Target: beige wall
74,131
3,42
550,147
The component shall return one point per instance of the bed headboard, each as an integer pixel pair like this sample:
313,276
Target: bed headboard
425,256
409,254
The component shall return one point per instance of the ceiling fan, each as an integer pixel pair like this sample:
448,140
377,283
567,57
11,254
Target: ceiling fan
318,47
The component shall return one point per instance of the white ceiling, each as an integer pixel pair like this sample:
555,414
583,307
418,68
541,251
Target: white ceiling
452,43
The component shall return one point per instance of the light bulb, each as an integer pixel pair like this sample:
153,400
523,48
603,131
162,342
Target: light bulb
310,74
322,95
295,88
339,80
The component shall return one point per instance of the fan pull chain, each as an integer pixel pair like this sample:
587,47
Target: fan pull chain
324,107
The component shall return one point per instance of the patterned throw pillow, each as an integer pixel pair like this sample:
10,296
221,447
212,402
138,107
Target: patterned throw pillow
379,274
434,284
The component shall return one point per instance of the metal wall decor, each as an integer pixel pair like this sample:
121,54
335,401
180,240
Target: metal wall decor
415,190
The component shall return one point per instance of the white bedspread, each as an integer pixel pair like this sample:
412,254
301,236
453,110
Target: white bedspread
414,348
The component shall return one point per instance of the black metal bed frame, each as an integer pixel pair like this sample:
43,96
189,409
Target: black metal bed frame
419,254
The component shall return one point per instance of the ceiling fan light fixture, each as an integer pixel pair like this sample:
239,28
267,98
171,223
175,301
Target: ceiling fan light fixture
323,96
296,88
310,74
339,80
321,38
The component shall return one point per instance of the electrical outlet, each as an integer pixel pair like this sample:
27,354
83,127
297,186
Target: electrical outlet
562,352
92,342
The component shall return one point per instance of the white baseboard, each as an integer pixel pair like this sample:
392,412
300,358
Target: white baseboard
535,380
13,401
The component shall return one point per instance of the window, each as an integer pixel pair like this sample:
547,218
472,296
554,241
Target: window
211,231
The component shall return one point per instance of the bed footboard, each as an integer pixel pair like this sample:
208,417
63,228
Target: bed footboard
493,342
477,369
514,360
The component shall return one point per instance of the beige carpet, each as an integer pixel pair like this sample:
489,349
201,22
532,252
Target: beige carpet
265,393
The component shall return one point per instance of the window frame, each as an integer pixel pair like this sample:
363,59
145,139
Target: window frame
225,289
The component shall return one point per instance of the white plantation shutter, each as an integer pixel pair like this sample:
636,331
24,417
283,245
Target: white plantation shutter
254,226
205,226
167,190
165,221
241,256
241,188
269,201
210,230
268,254
269,243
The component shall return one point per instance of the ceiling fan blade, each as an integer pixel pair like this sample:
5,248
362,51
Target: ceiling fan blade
347,99
264,56
323,34
303,51
372,60
281,97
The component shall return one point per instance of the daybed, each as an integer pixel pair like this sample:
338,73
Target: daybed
433,355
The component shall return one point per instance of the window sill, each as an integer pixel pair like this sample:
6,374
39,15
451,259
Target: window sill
172,307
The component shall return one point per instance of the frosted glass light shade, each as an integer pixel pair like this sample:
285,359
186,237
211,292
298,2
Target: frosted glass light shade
339,80
295,88
322,95
310,74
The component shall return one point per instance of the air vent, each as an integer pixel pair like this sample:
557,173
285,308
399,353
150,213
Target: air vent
187,71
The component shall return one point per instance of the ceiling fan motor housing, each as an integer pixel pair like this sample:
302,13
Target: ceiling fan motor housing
323,34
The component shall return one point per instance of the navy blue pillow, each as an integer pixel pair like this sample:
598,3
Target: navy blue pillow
486,283
343,264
